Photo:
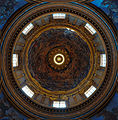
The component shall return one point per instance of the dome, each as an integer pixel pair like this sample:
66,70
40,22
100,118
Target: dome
59,60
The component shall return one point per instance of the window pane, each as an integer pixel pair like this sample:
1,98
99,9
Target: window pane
27,29
90,91
56,104
62,104
27,91
59,16
103,60
90,29
15,60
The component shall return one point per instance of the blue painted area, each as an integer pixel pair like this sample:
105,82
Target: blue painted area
8,112
113,103
98,118
1,95
97,2
110,7
7,8
110,112
20,4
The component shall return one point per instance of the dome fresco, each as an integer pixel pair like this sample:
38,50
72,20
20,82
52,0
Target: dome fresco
59,77
58,57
